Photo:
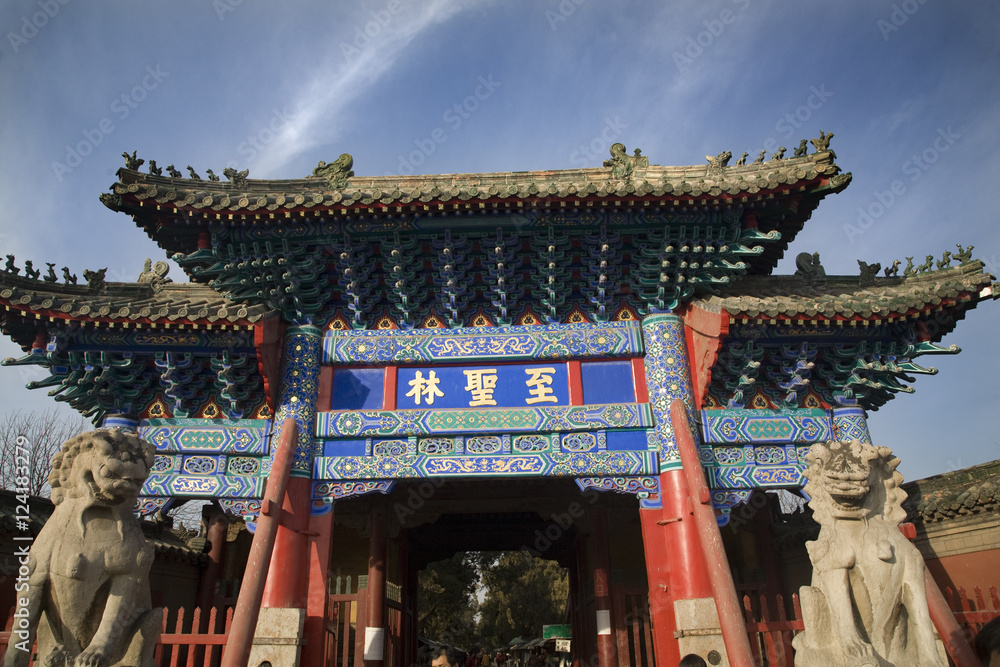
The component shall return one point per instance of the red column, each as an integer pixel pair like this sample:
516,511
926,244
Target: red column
688,573
764,535
320,532
954,638
375,612
412,583
288,575
210,577
237,651
734,632
675,565
607,650
585,648
661,601
574,610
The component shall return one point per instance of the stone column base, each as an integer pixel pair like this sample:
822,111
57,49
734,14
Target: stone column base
278,638
699,631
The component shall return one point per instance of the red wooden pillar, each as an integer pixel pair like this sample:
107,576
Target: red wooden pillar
287,577
688,577
320,534
607,650
584,644
217,523
574,603
237,651
675,565
375,607
952,635
734,632
764,535
411,585
661,601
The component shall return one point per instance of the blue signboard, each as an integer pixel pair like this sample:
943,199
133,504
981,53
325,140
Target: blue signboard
357,389
497,385
607,382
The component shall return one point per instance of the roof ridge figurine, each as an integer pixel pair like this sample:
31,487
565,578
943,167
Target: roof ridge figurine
132,162
809,268
623,165
95,279
154,275
237,178
717,165
869,272
337,172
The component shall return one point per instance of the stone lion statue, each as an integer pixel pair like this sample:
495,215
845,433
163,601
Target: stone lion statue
867,605
88,588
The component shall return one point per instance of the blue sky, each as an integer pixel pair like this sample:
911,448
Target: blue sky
909,88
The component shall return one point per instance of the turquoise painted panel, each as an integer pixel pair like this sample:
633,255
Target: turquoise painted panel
209,486
558,464
806,425
377,423
219,436
538,343
756,476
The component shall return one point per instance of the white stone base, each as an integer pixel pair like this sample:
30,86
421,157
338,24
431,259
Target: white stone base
278,638
699,630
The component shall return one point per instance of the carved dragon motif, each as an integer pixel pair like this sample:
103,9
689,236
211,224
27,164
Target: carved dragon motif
337,172
238,178
621,165
808,268
717,165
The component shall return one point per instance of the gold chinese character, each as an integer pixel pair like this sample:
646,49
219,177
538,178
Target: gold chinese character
539,382
481,383
427,388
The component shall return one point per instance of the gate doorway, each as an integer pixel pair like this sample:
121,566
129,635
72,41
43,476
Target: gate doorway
595,536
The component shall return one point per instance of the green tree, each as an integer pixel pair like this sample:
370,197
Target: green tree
447,601
521,594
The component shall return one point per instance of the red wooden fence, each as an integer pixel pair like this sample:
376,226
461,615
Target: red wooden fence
345,646
771,634
187,645
971,621
771,630
635,644
182,643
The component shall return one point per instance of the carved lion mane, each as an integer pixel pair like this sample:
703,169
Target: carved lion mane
854,480
867,605
88,588
116,449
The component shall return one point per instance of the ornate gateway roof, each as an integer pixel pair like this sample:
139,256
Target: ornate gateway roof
817,341
611,243
480,249
151,348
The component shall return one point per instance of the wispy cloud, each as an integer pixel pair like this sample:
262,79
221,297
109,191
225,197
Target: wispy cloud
350,70
909,110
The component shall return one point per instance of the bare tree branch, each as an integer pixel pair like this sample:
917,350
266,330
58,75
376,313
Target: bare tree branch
39,434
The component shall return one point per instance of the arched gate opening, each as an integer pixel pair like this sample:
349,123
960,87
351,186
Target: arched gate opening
596,536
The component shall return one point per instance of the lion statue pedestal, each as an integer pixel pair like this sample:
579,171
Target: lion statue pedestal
88,587
867,606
